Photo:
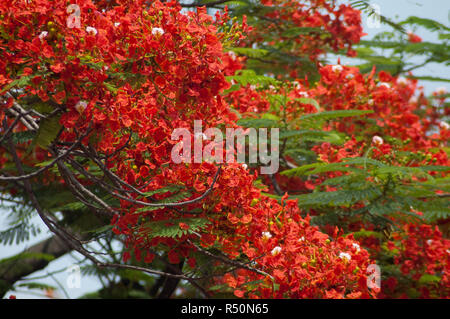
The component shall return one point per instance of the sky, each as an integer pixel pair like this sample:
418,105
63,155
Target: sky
397,10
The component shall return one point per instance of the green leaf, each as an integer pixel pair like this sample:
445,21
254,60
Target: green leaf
245,77
22,137
20,82
435,168
250,52
110,87
305,100
329,115
171,228
426,23
166,189
337,198
367,7
18,233
257,123
100,230
297,31
146,209
317,168
429,279
367,233
48,130
36,285
428,78
27,255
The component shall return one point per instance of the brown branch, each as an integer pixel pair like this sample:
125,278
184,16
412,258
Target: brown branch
276,187
46,167
228,261
200,4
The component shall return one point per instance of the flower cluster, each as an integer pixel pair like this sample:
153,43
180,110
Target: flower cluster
335,26
423,255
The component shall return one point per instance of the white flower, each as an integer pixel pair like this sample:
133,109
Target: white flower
355,245
301,238
370,102
232,55
448,251
429,241
156,31
255,109
81,106
337,68
253,87
402,81
266,235
441,90
304,94
116,24
244,166
271,87
349,76
200,135
91,30
346,256
43,35
413,100
296,85
444,125
387,85
276,251
377,140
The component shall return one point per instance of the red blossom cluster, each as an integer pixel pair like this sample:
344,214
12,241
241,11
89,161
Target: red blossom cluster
423,256
403,121
337,26
144,72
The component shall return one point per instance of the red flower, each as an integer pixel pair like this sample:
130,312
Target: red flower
414,38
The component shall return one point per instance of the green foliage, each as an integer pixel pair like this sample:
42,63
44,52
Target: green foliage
384,190
426,23
48,130
22,137
27,255
365,5
250,52
387,50
171,228
297,31
18,83
36,285
18,233
245,77
257,122
330,115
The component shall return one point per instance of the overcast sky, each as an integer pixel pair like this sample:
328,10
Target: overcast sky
399,10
